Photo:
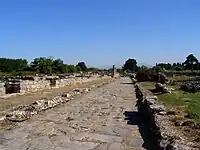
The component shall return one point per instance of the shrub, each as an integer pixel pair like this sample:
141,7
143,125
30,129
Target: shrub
145,75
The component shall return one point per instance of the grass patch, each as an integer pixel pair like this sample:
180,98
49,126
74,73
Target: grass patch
182,77
178,100
186,106
148,85
187,102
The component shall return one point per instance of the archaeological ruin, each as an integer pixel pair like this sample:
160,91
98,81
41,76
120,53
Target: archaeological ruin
22,85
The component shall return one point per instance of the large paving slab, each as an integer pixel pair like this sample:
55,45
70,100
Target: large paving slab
94,121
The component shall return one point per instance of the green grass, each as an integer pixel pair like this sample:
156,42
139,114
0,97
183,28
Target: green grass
179,100
186,102
148,85
183,77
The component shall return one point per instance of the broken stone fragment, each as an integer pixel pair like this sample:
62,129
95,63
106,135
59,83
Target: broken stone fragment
18,116
171,112
151,97
69,119
157,108
77,90
189,116
86,90
151,101
162,113
67,95
189,123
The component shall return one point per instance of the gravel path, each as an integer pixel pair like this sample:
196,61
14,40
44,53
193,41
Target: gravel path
94,121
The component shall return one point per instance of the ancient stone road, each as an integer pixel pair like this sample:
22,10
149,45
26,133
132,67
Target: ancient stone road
94,121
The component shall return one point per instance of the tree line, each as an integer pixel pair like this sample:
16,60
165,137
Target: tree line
191,63
43,65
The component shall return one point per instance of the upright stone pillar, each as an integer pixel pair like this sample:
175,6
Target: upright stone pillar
113,71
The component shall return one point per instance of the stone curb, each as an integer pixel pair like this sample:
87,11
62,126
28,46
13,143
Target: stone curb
166,136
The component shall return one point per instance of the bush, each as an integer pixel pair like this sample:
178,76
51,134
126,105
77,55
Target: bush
145,75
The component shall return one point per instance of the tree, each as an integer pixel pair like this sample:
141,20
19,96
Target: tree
158,68
165,66
130,65
43,65
197,67
177,66
59,66
190,62
82,66
78,68
92,69
71,69
10,65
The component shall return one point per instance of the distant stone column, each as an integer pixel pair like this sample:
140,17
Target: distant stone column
113,71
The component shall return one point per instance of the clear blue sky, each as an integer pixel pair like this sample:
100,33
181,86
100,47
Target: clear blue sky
100,32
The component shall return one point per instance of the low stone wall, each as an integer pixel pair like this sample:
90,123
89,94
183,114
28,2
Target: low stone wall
166,135
76,80
40,83
23,112
35,85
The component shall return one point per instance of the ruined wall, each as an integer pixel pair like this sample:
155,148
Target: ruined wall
25,111
75,80
166,135
35,85
40,83
2,89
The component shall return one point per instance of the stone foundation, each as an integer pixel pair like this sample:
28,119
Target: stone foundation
165,134
26,85
23,112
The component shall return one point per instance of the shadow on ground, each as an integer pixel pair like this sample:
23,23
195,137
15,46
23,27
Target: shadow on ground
127,83
135,118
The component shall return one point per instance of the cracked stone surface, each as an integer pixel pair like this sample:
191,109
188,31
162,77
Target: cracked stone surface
93,121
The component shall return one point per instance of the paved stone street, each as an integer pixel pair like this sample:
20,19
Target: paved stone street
93,121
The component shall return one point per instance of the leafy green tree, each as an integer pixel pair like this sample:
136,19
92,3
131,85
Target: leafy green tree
59,66
177,66
78,68
197,67
130,65
10,65
190,62
82,65
43,65
159,69
71,69
165,66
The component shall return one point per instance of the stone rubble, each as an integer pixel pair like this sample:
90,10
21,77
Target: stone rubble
161,78
161,88
23,112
